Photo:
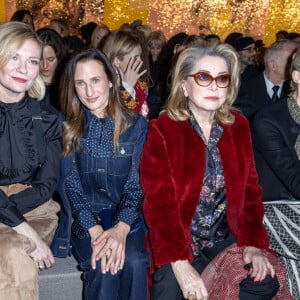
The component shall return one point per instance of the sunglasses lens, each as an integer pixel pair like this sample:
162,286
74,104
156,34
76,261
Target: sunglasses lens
223,80
203,79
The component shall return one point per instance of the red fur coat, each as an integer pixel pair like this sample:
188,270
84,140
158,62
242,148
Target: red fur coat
172,169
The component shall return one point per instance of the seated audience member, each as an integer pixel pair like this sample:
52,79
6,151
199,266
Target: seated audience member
231,37
145,30
23,15
53,56
213,38
60,26
73,43
281,35
99,36
260,53
207,238
86,31
156,43
294,36
192,40
270,85
128,27
125,50
168,54
103,142
30,139
276,142
245,47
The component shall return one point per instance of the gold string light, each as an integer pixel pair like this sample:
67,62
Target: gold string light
260,19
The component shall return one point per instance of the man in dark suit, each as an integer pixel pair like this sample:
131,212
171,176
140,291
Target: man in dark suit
276,144
269,86
274,135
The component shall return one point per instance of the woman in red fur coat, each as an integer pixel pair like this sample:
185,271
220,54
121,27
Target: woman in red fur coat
202,201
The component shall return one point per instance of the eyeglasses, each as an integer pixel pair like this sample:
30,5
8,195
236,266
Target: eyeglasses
205,79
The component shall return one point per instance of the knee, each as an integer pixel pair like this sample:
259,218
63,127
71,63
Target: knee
137,261
17,268
164,284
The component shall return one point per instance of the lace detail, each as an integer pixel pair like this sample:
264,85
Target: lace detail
18,154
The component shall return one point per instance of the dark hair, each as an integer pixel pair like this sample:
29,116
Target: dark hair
73,109
50,37
231,38
19,15
86,31
242,42
63,26
293,35
74,43
284,33
212,37
168,51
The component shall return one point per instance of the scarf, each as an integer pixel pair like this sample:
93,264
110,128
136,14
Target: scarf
294,110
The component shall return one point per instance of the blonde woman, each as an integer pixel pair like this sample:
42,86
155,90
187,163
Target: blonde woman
30,138
202,201
126,51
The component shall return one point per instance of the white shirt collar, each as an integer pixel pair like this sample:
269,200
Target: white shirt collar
270,85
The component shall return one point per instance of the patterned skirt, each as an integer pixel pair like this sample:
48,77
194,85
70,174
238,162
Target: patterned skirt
282,221
223,275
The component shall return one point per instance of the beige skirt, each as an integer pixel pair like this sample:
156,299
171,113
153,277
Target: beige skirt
18,271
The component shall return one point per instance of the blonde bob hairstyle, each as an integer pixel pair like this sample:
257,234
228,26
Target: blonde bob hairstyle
12,36
295,66
177,105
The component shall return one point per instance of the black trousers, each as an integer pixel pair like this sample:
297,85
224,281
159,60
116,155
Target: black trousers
165,286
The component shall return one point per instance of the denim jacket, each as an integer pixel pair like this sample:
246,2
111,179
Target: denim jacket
112,178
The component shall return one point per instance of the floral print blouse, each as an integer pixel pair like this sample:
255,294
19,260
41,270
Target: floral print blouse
209,223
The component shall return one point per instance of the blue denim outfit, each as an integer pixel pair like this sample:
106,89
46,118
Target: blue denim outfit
101,178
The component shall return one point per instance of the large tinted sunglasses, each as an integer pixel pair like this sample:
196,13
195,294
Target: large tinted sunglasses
205,79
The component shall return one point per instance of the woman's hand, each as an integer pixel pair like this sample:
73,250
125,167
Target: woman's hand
109,247
42,254
189,280
95,232
132,72
260,265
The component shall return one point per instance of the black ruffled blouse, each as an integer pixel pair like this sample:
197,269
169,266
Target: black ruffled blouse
20,158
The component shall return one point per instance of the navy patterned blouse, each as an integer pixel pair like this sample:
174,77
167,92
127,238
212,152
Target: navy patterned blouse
209,223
